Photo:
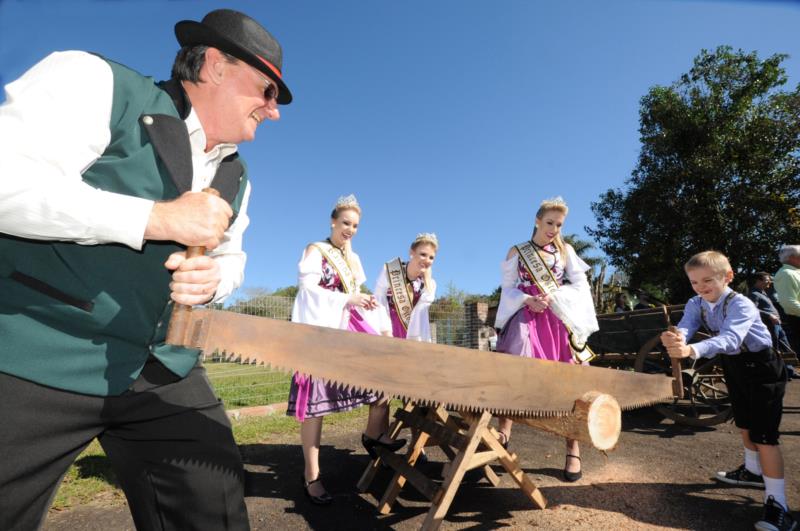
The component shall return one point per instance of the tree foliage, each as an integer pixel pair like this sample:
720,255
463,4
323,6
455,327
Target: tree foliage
719,168
582,248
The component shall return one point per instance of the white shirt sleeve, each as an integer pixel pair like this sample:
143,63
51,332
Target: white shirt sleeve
315,304
229,254
373,317
419,325
511,298
381,290
572,303
53,126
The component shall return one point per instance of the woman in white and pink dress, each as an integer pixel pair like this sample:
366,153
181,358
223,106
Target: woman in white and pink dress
329,294
536,324
420,291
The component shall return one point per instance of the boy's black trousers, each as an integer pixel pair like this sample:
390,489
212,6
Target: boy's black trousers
756,384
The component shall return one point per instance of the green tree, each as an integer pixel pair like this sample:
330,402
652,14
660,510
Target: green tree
718,169
582,248
288,291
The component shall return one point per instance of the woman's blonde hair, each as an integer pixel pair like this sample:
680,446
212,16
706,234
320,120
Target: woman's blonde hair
714,260
554,204
426,238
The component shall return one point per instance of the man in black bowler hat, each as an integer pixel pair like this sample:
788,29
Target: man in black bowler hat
100,194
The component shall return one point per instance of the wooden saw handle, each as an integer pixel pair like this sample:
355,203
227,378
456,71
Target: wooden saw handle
182,313
677,375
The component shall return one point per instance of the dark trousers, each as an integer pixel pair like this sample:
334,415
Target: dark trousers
791,325
168,440
756,384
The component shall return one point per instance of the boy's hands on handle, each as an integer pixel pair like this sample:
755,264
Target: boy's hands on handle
675,343
199,220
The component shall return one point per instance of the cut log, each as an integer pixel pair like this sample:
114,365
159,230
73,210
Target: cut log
596,418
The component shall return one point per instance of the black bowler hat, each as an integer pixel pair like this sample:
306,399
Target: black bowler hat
242,37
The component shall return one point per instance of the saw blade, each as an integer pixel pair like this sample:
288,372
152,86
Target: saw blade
426,373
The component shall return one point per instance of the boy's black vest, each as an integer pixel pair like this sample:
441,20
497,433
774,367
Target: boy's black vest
85,318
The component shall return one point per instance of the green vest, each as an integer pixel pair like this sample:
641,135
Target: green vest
84,318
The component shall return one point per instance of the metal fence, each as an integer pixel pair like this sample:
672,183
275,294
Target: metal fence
250,385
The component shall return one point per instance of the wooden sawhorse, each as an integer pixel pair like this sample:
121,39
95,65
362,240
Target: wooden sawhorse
466,439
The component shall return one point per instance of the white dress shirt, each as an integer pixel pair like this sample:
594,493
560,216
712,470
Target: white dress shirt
53,126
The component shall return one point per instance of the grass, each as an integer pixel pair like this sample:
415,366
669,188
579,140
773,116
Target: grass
91,478
247,385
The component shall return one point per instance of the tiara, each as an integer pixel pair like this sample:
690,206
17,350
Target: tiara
346,201
427,237
554,201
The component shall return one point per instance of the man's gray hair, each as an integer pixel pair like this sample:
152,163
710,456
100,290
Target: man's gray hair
788,251
190,60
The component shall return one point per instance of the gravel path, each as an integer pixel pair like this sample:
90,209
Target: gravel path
659,477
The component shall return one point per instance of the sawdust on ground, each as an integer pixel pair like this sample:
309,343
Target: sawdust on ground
659,477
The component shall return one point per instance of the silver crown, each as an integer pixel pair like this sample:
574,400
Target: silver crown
346,201
427,237
555,201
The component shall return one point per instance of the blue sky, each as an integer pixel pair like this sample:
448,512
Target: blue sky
456,117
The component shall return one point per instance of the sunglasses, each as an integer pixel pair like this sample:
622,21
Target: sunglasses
271,89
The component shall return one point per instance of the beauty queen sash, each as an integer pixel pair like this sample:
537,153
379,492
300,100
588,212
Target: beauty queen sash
401,291
338,261
548,285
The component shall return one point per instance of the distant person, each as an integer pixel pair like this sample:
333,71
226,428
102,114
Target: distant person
754,374
644,302
102,175
759,294
330,276
787,288
621,302
546,306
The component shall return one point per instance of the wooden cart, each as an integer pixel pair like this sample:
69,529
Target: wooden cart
630,341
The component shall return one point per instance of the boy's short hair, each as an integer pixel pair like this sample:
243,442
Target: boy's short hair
763,275
714,260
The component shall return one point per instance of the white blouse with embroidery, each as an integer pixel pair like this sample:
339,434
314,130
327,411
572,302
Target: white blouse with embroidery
571,302
321,306
419,326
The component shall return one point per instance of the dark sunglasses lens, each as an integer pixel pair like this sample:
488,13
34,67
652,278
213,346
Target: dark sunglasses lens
271,92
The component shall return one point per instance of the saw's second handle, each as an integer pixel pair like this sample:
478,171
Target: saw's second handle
181,313
677,375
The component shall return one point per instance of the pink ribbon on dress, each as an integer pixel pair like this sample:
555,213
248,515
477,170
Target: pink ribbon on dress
357,323
541,327
303,391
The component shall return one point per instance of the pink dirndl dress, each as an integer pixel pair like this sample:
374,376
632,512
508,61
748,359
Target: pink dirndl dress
536,335
312,397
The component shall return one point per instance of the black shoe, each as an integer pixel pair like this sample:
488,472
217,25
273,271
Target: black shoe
572,476
775,518
742,477
422,459
370,444
322,499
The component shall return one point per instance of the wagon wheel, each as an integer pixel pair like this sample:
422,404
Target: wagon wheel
705,401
